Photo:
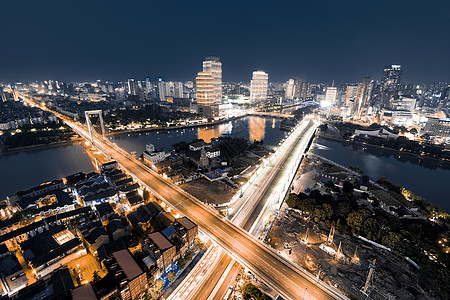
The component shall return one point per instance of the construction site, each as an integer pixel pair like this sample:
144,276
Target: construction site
361,269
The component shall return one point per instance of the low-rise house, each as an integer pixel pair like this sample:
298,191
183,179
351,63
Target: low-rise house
118,227
104,211
44,251
134,199
95,191
143,214
39,190
165,219
160,249
93,235
56,287
109,166
12,276
130,279
190,228
29,231
83,292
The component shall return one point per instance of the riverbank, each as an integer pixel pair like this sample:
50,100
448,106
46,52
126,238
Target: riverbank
41,146
168,128
443,163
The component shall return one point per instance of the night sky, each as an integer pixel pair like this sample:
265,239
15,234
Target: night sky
317,40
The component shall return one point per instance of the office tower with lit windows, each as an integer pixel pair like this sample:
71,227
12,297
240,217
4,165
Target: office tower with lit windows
205,88
330,96
297,87
148,85
390,82
362,99
214,66
289,89
2,95
350,95
305,91
132,87
258,86
173,89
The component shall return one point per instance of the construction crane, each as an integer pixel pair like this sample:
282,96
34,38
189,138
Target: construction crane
339,253
369,280
355,257
330,236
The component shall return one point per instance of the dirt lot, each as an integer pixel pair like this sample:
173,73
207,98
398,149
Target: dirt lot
394,277
216,192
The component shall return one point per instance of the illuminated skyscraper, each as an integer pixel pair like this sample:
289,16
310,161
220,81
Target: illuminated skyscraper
205,88
289,91
305,91
390,81
258,86
297,87
132,87
214,66
350,96
170,89
330,96
363,94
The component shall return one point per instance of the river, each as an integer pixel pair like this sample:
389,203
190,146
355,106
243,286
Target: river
425,177
250,128
25,169
29,168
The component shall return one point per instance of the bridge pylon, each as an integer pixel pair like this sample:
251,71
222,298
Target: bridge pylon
99,113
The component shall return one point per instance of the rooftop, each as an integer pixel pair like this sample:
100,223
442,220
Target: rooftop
160,240
127,263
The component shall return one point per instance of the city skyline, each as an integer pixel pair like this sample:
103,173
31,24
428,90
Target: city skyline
335,42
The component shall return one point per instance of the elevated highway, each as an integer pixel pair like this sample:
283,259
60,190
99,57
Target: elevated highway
282,275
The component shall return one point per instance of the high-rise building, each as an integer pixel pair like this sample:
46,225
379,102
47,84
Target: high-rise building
214,66
297,87
350,95
170,89
148,85
2,95
363,94
132,87
390,81
258,86
205,88
330,96
289,90
305,91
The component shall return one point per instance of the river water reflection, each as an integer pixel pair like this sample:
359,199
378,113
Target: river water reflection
425,177
28,168
250,128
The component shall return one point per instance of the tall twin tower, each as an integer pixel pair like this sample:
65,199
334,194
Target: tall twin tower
209,82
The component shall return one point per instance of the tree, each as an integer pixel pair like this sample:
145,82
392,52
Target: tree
328,210
199,244
146,196
319,214
182,262
251,291
171,276
356,219
155,290
392,239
